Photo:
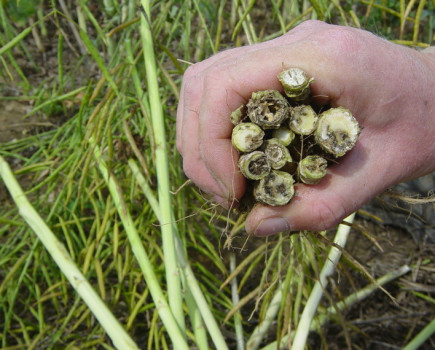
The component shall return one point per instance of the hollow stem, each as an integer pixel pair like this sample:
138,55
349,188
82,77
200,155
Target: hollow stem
254,165
312,169
277,153
268,109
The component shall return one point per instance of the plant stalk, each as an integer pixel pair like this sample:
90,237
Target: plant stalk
261,330
167,317
328,269
171,268
238,325
60,255
421,337
352,299
188,275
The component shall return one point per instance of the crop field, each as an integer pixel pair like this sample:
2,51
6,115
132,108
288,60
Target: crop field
106,244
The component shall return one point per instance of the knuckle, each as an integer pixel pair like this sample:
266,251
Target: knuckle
191,71
192,87
192,81
311,23
308,25
341,41
215,76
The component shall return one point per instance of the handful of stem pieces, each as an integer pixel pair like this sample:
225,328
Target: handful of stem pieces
283,139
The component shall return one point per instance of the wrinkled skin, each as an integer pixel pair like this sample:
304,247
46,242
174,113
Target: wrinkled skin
390,89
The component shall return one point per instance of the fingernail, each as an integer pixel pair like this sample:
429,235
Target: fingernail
270,226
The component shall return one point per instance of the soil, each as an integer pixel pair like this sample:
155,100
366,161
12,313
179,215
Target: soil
380,322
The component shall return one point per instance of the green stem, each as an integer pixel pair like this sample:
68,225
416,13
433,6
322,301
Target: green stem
197,323
62,258
161,304
421,337
189,278
261,330
317,292
172,273
16,40
238,325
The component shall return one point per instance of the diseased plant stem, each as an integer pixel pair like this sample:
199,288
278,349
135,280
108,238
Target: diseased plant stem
303,120
268,109
312,169
275,120
254,165
296,84
275,189
337,131
277,153
247,137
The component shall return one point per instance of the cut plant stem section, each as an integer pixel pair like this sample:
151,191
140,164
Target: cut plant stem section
337,131
296,84
284,134
268,109
303,120
254,165
277,153
237,116
275,189
312,169
247,137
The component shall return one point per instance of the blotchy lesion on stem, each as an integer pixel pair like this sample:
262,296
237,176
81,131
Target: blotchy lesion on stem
286,139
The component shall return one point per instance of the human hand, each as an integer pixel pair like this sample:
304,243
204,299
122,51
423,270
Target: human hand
390,89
